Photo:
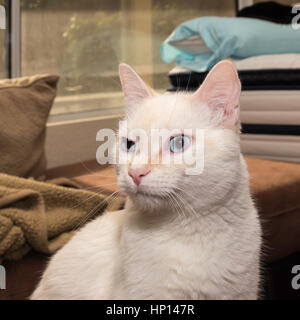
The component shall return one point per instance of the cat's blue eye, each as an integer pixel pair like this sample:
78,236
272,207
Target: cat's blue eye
128,145
179,143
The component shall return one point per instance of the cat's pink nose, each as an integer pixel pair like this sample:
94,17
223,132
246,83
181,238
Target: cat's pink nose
138,173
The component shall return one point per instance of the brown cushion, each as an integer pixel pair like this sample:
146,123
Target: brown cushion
25,104
275,186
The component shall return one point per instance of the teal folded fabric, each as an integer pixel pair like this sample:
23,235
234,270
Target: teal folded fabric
237,38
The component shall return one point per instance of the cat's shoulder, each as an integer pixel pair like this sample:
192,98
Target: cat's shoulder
108,225
94,247
98,236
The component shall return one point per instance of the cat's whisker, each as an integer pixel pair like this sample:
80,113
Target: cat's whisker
100,186
186,88
91,213
87,199
184,202
95,173
185,193
180,208
100,175
172,204
182,205
114,195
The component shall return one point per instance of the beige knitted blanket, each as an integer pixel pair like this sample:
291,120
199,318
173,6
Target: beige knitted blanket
43,215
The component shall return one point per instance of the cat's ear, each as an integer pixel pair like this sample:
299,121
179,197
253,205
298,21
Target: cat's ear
134,88
221,91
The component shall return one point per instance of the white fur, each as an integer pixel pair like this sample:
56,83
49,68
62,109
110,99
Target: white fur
180,236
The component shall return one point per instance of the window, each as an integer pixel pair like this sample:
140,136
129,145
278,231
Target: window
83,42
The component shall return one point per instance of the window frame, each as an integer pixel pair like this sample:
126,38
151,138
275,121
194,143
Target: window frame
14,39
74,141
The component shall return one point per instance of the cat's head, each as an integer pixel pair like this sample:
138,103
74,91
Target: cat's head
213,110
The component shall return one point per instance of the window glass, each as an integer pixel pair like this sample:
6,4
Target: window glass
83,42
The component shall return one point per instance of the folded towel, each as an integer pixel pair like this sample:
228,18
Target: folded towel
43,216
200,43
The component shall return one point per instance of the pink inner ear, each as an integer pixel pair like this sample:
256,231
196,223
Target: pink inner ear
134,88
221,91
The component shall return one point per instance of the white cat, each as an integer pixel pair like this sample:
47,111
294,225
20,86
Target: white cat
180,236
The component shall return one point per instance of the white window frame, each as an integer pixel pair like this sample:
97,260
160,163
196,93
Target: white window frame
74,141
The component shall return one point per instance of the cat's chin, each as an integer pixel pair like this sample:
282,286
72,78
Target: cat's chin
147,201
